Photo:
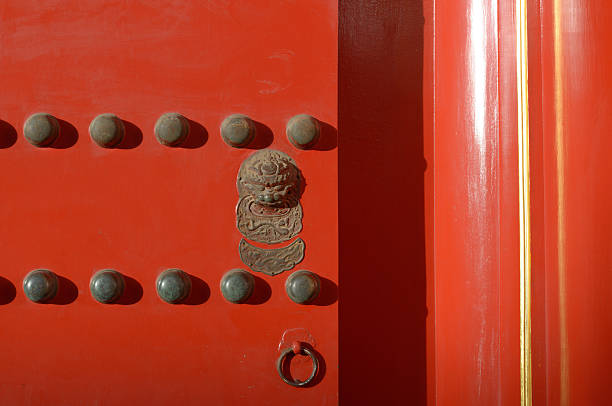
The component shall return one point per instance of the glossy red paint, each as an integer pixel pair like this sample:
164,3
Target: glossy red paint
446,92
476,251
78,208
538,319
573,328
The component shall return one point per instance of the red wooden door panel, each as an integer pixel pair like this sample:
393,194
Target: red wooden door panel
75,208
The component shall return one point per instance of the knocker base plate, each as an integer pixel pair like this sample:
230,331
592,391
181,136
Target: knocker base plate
267,225
272,261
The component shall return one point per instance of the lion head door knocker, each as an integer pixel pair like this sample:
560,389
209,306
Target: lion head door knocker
269,211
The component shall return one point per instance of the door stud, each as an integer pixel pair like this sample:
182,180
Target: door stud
41,129
237,130
106,286
303,131
173,286
237,285
303,287
40,285
107,130
171,129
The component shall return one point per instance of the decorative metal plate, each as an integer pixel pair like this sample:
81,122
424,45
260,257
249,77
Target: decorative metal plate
269,186
266,224
272,261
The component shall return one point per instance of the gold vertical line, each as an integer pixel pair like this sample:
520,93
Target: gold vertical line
560,159
524,201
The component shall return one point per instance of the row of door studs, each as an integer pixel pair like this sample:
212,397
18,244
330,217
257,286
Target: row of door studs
172,285
171,129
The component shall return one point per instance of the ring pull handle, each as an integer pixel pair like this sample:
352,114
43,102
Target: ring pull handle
288,354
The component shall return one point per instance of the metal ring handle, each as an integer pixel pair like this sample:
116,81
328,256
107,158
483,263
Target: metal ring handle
297,383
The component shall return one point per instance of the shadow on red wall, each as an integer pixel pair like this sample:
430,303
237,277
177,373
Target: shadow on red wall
382,226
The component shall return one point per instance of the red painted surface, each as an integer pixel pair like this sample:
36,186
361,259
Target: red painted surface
428,96
79,208
427,105
537,181
476,204
573,329
386,178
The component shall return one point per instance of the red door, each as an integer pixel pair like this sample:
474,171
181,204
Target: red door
139,207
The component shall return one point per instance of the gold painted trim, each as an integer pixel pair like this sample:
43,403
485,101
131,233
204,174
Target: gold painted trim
564,383
524,194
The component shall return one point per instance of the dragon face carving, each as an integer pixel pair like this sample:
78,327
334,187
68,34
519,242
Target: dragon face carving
269,185
271,178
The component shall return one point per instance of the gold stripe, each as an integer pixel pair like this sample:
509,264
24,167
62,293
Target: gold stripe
524,199
560,157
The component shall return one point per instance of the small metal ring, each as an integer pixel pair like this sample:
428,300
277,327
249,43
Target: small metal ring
295,382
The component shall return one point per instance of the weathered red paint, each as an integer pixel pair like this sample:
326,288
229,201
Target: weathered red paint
79,208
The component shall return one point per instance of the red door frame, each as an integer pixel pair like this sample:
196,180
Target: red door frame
505,85
569,53
476,232
383,199
429,189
